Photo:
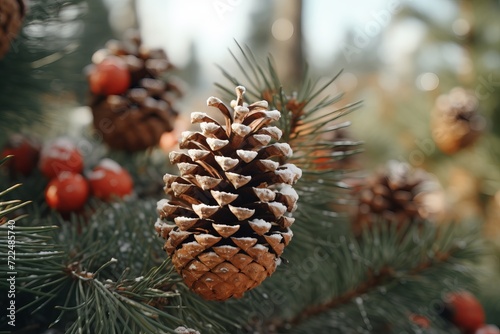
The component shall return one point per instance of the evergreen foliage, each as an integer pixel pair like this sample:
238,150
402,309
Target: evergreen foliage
104,271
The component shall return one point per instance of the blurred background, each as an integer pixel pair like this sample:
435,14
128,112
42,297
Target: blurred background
410,62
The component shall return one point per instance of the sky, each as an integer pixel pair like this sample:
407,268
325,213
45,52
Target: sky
213,24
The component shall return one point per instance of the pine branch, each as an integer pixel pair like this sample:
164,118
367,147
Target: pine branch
7,206
128,305
410,284
26,72
34,262
384,276
11,205
332,283
99,277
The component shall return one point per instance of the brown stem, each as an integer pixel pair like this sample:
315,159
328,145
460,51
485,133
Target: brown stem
373,280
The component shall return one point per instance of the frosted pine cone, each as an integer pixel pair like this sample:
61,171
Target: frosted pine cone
132,110
396,193
11,20
230,204
456,122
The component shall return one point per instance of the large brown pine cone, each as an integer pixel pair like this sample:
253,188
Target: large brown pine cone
456,122
11,20
136,119
227,221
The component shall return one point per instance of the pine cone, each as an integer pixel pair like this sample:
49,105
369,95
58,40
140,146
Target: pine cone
11,20
136,119
456,122
230,204
396,194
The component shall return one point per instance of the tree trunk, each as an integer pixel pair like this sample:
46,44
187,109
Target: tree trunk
288,51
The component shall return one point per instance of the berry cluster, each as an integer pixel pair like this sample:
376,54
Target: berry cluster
62,164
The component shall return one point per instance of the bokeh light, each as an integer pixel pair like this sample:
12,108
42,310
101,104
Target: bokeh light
282,29
427,81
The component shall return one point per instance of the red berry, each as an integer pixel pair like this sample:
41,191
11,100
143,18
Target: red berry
109,179
466,312
67,192
25,153
60,156
488,329
110,77
420,321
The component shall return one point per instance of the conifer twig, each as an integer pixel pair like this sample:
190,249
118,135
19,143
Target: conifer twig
383,276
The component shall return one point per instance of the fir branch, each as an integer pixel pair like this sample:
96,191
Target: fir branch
92,294
145,304
126,305
344,285
442,252
117,230
23,81
383,276
37,265
8,206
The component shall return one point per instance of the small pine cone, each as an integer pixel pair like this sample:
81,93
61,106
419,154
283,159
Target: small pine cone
229,205
456,122
396,194
136,119
11,20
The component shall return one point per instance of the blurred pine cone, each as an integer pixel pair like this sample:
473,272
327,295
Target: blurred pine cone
11,19
396,193
133,118
230,204
456,122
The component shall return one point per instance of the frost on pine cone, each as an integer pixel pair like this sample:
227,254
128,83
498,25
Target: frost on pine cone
396,193
132,110
11,19
227,221
456,122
